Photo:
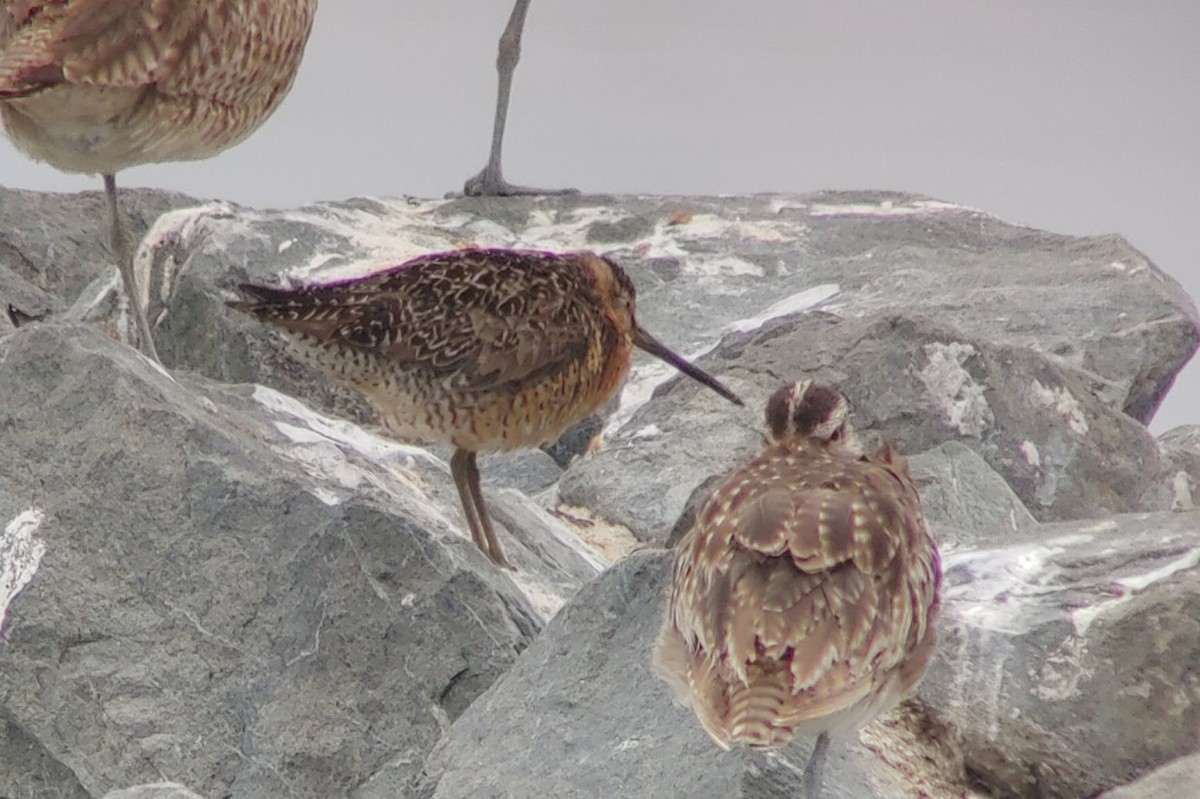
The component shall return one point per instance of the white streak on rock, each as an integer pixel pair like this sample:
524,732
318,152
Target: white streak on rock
720,266
345,455
953,390
555,231
1140,582
1063,402
888,208
678,241
1129,587
21,553
992,587
801,301
318,427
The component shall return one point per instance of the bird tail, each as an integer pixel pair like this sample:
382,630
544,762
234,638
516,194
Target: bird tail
302,312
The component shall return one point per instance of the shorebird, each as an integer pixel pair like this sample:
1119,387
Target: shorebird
490,181
96,86
484,349
803,598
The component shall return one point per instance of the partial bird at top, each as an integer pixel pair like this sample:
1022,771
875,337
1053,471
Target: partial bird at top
97,86
490,181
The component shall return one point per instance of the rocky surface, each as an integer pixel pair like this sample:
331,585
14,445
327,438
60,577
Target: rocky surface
206,581
912,381
605,726
964,500
159,790
1067,654
1181,449
53,245
223,597
1178,778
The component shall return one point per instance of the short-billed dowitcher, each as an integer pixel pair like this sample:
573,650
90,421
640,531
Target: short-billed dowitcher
804,597
97,86
483,349
490,181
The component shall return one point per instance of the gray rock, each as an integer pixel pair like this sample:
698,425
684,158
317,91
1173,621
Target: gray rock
53,245
212,607
1095,305
1067,654
909,380
27,769
581,715
1181,449
238,593
527,470
1176,780
158,790
964,501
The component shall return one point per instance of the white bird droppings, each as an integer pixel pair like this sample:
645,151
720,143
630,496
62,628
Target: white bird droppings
953,390
21,553
1063,402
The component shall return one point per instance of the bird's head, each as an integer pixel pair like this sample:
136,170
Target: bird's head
809,410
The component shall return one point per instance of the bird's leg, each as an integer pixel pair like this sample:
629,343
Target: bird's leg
123,253
465,470
490,182
460,469
815,767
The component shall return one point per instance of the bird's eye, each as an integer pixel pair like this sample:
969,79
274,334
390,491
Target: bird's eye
837,434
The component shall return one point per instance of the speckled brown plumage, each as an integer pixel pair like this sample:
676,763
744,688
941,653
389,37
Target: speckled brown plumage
804,596
96,86
483,349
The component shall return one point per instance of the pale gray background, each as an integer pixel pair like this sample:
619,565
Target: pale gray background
1077,116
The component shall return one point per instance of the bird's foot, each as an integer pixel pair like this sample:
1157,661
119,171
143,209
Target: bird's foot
497,557
491,183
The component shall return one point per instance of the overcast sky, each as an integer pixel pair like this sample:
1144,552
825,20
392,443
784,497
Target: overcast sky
1078,116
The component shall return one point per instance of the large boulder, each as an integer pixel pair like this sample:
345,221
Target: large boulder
1067,654
226,597
912,381
703,265
580,714
205,580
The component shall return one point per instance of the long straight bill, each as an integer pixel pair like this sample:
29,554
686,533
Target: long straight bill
650,344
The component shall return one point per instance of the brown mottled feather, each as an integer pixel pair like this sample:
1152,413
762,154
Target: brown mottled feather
164,79
482,349
527,314
803,596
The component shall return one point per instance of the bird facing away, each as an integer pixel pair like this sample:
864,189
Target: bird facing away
804,596
483,349
96,86
490,181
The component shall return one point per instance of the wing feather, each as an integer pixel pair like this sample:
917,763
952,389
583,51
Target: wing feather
793,592
443,317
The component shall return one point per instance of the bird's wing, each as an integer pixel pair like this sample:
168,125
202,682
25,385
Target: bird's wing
798,579
443,316
97,42
168,44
